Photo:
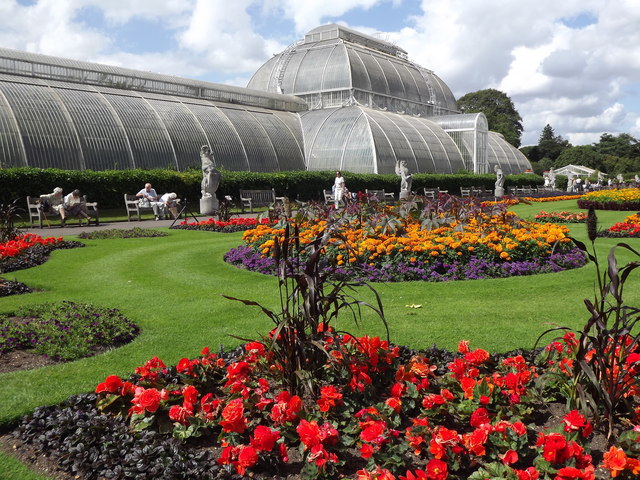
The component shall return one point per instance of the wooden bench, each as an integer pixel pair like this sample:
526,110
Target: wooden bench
133,206
258,198
431,193
329,197
381,195
37,214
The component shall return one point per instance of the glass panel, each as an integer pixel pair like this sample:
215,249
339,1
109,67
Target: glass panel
326,152
49,139
10,142
359,76
102,138
311,69
224,141
288,148
148,139
186,134
336,74
260,152
396,88
376,75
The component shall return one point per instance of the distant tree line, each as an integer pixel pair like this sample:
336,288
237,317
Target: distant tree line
613,154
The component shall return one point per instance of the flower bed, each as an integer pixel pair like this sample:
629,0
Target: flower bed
614,199
15,247
561,217
554,198
30,250
136,232
630,227
379,412
230,226
65,331
379,243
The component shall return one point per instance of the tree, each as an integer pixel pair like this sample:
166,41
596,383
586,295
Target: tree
551,145
585,155
499,110
623,145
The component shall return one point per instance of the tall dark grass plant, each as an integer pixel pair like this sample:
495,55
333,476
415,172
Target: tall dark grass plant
310,304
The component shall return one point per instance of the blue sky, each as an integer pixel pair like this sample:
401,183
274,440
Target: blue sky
573,64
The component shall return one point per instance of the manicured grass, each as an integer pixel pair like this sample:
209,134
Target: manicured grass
12,469
172,287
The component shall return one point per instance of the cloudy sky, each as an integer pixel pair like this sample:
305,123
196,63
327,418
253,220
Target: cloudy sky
574,64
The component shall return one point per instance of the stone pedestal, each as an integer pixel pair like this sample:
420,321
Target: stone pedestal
209,205
499,192
404,195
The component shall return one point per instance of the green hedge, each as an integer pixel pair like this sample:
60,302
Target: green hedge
107,187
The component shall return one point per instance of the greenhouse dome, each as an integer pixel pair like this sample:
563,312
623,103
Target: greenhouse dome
337,66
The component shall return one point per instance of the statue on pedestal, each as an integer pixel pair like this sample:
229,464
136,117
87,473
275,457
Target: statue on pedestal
499,186
210,182
405,179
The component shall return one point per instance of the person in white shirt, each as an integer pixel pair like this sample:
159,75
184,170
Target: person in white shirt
338,189
169,202
149,198
75,206
54,202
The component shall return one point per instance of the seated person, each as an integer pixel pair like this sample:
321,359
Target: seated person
170,204
149,198
75,206
54,203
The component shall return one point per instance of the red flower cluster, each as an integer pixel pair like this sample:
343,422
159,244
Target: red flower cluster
461,424
21,243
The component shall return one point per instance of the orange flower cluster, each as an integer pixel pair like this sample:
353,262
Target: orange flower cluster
552,199
497,237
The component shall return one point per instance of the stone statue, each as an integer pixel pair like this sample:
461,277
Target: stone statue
600,178
210,182
405,178
499,191
552,178
570,182
620,178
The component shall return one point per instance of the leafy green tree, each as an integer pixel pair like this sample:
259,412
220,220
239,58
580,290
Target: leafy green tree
551,145
585,155
622,145
499,110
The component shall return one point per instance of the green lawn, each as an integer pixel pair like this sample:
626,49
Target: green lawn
173,286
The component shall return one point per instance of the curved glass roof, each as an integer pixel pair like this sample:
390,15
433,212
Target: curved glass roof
87,73
365,140
54,124
502,153
333,57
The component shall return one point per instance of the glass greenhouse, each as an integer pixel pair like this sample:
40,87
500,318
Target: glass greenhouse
77,115
337,99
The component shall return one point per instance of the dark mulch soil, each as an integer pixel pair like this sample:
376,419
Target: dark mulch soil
12,287
23,360
34,256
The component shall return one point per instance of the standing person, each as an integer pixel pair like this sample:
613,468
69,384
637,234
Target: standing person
74,206
54,202
149,198
338,189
